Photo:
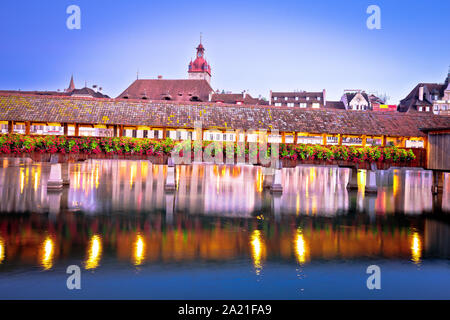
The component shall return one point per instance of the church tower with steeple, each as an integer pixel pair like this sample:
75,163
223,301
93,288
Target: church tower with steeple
71,85
199,69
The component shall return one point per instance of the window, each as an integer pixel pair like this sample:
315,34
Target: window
303,105
332,140
427,109
296,98
316,105
278,104
318,98
275,98
436,107
310,139
290,104
307,98
352,141
414,144
420,109
285,98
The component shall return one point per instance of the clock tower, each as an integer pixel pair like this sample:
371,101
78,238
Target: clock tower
199,69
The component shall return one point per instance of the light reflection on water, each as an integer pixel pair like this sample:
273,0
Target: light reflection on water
118,210
238,191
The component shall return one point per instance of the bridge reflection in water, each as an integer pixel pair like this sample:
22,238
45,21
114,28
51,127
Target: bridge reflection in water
116,213
233,191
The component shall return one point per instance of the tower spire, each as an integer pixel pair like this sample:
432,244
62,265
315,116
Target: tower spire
71,85
200,38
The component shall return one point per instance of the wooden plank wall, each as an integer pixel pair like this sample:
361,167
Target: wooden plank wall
439,151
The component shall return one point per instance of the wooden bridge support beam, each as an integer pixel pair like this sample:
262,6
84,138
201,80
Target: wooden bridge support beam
340,139
27,127
364,140
438,182
10,126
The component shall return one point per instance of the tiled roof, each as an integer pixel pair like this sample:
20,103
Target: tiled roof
351,95
233,98
37,93
412,99
294,94
84,91
335,105
184,114
162,89
87,92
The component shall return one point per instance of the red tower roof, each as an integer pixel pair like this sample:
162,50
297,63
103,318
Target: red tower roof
200,64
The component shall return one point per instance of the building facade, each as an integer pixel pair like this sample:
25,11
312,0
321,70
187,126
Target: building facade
428,97
196,88
199,69
298,99
237,98
356,100
442,106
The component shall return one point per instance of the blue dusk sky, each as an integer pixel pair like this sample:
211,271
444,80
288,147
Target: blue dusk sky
251,45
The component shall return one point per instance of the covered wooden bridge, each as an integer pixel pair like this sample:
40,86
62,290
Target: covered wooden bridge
150,119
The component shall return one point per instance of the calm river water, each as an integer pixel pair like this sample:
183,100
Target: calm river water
221,234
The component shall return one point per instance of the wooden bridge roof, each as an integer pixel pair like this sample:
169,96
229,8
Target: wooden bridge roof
183,115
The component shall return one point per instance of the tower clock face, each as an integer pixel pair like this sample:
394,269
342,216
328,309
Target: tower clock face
200,54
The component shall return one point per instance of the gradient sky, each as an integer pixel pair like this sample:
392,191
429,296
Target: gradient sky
251,45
